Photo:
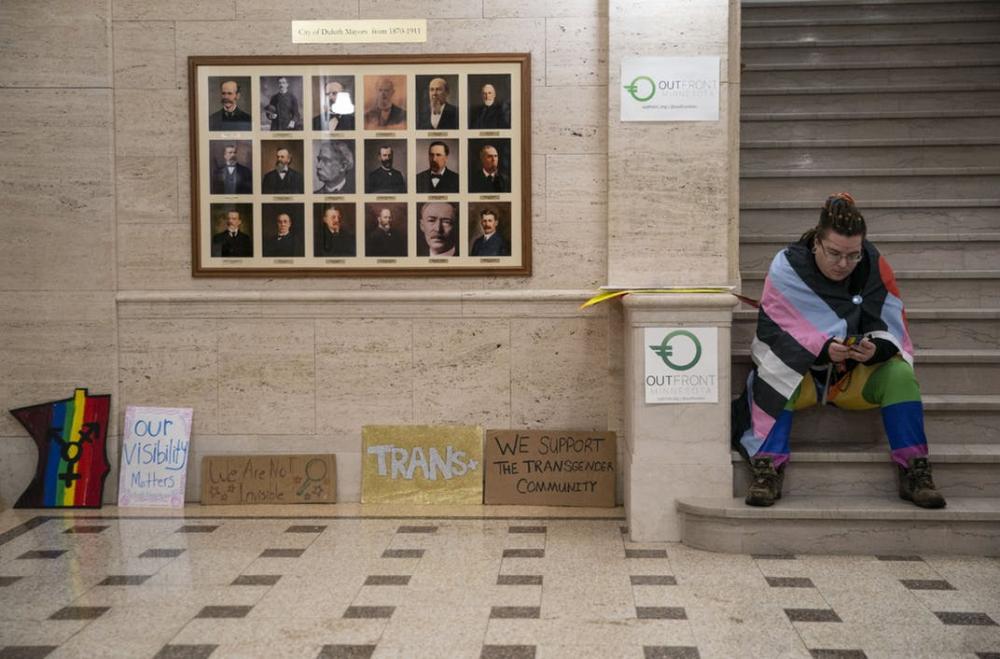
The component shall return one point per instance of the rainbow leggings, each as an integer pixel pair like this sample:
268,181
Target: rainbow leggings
891,386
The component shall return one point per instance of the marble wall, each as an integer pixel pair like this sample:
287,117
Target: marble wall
674,187
96,287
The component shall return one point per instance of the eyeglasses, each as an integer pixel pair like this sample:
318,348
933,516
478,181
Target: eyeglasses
833,256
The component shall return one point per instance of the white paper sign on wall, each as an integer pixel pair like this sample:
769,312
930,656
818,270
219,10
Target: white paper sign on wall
682,364
670,89
154,457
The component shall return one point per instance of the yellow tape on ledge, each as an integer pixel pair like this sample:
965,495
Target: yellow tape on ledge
609,295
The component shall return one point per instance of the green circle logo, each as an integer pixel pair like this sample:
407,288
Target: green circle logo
665,350
633,88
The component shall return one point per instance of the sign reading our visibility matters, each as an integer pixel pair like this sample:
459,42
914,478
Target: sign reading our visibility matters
682,364
550,467
154,457
670,89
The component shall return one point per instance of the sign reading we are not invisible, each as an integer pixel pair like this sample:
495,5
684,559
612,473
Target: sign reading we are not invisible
422,464
257,479
550,467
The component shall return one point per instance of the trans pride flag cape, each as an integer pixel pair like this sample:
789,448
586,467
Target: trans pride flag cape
72,461
801,310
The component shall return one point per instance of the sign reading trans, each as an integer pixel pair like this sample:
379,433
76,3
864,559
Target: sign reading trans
682,364
670,89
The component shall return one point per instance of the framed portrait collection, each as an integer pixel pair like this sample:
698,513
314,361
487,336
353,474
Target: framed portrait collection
360,165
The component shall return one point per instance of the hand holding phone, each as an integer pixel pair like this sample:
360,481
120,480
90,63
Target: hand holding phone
861,349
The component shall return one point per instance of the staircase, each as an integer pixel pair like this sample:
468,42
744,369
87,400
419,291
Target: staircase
897,102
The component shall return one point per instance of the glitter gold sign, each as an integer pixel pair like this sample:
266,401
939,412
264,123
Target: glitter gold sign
422,464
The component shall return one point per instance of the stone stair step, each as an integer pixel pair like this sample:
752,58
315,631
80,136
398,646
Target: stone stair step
940,371
947,252
882,216
859,41
826,55
896,155
862,12
848,470
920,288
949,419
979,26
841,525
869,75
862,64
924,288
817,185
870,172
964,125
856,19
966,329
869,102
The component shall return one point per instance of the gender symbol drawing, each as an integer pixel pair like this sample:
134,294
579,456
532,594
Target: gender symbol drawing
71,437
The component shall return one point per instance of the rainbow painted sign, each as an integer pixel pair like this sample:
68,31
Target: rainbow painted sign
71,436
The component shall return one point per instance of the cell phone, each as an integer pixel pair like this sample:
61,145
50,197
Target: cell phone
854,339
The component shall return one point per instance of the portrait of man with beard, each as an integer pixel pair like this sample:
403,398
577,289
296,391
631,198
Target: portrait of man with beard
384,113
384,178
283,179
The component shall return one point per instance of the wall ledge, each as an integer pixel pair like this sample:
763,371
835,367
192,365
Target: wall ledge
376,296
648,301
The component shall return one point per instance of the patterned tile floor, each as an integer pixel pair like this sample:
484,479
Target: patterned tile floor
497,583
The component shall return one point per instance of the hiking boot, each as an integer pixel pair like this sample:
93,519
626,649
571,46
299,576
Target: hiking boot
917,485
765,486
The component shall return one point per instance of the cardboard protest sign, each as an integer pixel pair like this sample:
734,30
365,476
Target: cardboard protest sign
154,457
231,479
70,436
550,467
422,464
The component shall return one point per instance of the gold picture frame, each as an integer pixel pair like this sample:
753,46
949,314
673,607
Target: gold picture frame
332,166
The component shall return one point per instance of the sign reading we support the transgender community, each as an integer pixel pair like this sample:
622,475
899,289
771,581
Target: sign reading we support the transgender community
682,364
422,464
550,467
154,464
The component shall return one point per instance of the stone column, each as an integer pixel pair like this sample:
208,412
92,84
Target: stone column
673,193
673,450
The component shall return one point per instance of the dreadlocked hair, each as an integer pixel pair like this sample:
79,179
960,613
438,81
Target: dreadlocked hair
839,214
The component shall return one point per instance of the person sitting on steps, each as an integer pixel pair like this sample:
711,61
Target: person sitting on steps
831,328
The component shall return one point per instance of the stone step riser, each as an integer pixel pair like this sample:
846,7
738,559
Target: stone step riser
926,333
778,129
880,157
828,426
817,188
968,378
927,54
852,479
964,255
929,293
879,220
916,31
943,10
879,536
834,77
870,102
